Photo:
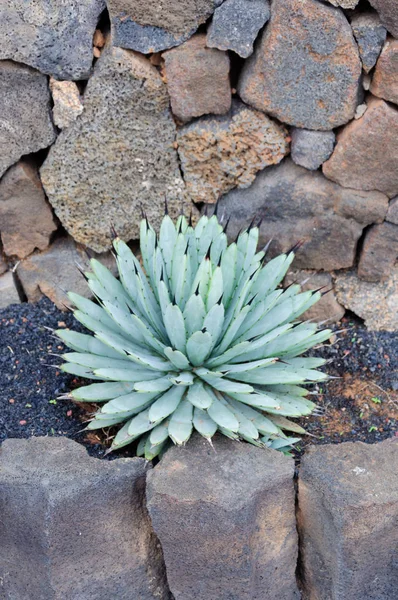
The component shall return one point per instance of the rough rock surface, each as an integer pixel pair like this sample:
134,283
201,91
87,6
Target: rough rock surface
54,37
376,303
392,213
3,263
348,511
74,526
327,308
310,149
379,252
237,502
26,219
385,78
236,24
388,11
197,79
68,104
344,3
25,123
297,204
370,35
366,154
220,153
53,272
117,156
151,26
306,69
8,291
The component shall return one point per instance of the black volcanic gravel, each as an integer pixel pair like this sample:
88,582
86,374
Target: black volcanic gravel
364,361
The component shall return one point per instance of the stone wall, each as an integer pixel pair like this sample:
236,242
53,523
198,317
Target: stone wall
285,111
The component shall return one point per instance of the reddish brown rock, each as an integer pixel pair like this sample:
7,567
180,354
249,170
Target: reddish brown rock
366,154
327,308
379,252
53,272
26,219
388,11
197,79
385,78
220,153
392,213
306,69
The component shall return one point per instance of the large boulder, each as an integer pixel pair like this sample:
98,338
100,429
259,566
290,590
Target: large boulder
75,527
347,518
306,69
220,153
197,79
55,271
388,11
118,156
379,252
366,154
376,303
54,37
25,123
235,25
370,35
296,204
225,519
151,26
385,79
26,219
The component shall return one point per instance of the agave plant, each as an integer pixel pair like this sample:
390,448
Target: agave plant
198,338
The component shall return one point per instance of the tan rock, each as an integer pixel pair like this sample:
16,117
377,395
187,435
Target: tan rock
305,70
117,156
388,12
26,219
54,272
197,79
220,153
327,308
376,303
68,104
379,252
98,39
8,290
366,154
385,78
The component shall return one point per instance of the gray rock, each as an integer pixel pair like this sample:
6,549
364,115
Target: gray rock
376,303
25,124
392,213
370,35
54,37
144,38
54,272
305,71
117,156
220,153
8,291
388,11
297,204
225,520
349,4
348,511
236,24
75,527
150,26
3,262
310,149
327,309
26,219
379,252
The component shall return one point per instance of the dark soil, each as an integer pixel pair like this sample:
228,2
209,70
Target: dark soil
362,404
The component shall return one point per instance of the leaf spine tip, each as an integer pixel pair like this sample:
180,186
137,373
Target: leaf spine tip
296,247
